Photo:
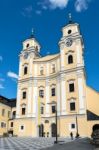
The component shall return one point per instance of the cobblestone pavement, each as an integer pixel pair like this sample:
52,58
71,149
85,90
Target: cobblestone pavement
79,144
28,143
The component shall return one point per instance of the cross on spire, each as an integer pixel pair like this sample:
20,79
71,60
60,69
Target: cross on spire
70,18
32,33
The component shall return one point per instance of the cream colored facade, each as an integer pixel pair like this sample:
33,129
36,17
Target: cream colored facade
54,81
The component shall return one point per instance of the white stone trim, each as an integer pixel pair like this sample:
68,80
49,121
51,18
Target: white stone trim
81,95
63,96
47,89
29,109
18,103
35,70
58,97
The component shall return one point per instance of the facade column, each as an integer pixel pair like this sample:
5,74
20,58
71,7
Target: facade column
81,93
58,97
29,111
47,98
18,102
63,94
62,56
79,51
31,64
20,67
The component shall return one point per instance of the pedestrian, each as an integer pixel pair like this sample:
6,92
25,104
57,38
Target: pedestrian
71,135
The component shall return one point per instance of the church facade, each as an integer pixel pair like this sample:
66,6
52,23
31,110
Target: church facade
55,83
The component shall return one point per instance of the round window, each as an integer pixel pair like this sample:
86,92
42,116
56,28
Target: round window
69,31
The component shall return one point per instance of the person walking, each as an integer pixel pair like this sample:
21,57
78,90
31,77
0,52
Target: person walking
71,135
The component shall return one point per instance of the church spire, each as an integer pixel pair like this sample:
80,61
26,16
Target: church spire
70,18
32,33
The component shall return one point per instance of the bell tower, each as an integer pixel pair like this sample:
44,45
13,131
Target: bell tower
72,42
31,45
72,64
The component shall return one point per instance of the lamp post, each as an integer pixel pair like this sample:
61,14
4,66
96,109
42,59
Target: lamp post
56,124
56,140
76,126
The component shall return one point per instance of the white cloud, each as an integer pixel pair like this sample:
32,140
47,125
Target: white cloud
1,58
2,80
1,86
27,11
38,12
12,75
58,3
53,4
81,5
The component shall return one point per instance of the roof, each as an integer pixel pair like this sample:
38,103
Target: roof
8,102
46,58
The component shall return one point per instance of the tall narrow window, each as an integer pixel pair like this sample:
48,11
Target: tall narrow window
42,110
14,114
53,68
41,71
22,127
72,126
23,111
3,112
53,109
41,93
71,87
24,95
9,114
25,70
53,91
11,124
70,59
72,106
3,125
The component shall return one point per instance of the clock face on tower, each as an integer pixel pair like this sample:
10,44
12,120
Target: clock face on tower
69,42
25,55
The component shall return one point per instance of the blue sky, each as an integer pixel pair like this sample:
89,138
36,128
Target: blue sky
47,17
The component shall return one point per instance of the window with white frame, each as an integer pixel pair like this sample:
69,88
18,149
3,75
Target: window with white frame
41,70
3,125
22,127
53,68
53,109
71,85
53,91
41,93
25,70
70,59
23,109
24,95
3,112
72,125
42,110
72,106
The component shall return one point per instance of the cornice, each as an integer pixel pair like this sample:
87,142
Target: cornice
55,76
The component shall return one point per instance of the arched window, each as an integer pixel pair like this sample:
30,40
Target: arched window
41,71
53,68
25,70
70,59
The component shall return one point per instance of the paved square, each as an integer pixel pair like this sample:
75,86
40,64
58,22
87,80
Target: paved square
28,143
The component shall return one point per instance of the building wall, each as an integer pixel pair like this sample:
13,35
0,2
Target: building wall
41,75
4,118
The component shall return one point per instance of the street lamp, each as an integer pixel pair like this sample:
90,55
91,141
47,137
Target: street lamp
77,134
56,140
